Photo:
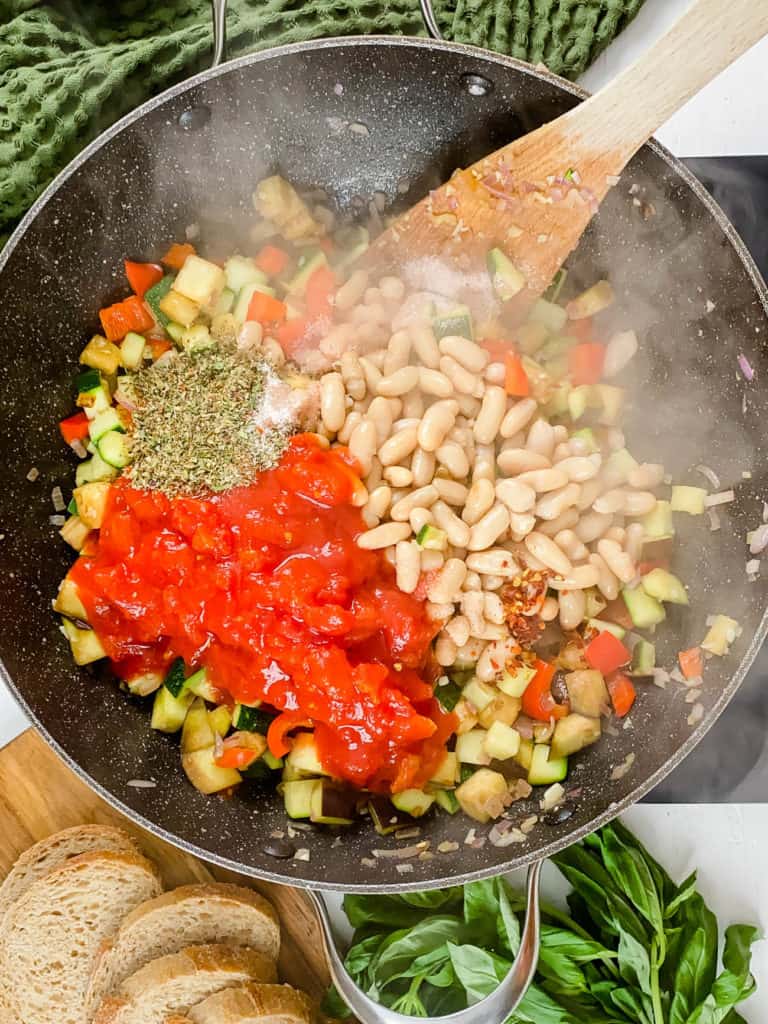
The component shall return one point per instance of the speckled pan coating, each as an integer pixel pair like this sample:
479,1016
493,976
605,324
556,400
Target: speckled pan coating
359,116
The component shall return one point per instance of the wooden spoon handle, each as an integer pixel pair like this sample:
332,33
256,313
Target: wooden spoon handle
701,44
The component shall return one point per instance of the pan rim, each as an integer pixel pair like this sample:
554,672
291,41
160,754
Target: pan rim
615,807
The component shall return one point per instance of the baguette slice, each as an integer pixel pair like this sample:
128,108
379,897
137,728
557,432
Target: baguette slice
191,915
50,937
172,984
48,854
254,1004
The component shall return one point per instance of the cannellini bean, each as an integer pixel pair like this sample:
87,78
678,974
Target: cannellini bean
407,565
432,382
431,560
491,414
610,502
518,417
560,433
422,497
493,562
469,355
398,383
616,439
452,492
372,296
580,467
491,631
568,542
435,424
370,313
495,373
607,583
545,549
383,536
425,345
392,288
370,518
639,503
512,461
541,438
493,608
423,467
487,530
590,491
453,458
473,608
419,518
618,561
379,500
521,524
473,581
375,477
549,610
553,504
352,291
581,577
463,380
446,519
494,658
389,555
591,526
573,607
491,583
619,351
376,357
617,533
380,414
517,496
353,376
646,476
332,407
479,500
446,586
362,444
471,651
544,480
633,541
398,476
439,612
398,352
398,447
562,451
350,423
469,406
484,467
457,629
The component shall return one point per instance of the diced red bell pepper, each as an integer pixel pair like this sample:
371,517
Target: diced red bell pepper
585,362
538,701
266,309
74,428
176,256
623,693
271,260
516,381
277,735
237,757
142,276
129,315
606,653
321,287
584,329
159,346
691,662
497,348
290,332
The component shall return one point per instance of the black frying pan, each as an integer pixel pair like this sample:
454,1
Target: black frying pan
193,156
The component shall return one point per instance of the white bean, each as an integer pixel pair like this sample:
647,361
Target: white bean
350,424
462,379
371,373
398,447
517,496
398,383
562,451
568,542
407,565
350,293
491,414
480,499
471,651
591,526
332,406
573,606
398,476
518,417
435,424
469,406
512,461
423,467
610,502
413,404
473,581
493,562
458,629
617,533
494,658
456,530
541,438
590,491
619,351
398,352
432,382
424,345
618,561
471,356
453,458
521,524
375,477
370,518
439,612
392,288
352,373
549,610
491,631
579,467
445,650
419,518
473,608
380,414
362,444
607,583
646,476
422,497
581,577
545,549
495,373
487,530
379,500
383,536
565,521
452,492
556,502
447,584
633,543
431,561
493,608
639,503
484,467
543,480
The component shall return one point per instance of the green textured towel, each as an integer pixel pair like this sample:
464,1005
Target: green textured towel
67,70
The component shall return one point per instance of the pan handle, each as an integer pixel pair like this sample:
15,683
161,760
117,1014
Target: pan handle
428,14
494,1009
219,9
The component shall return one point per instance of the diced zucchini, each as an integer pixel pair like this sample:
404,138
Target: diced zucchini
657,524
664,586
179,308
446,798
196,337
169,712
607,627
132,350
572,733
240,271
501,741
506,279
297,797
176,677
203,772
154,296
68,601
87,380
553,292
86,646
332,804
644,610
688,499
643,658
303,756
91,500
221,720
549,315
253,718
484,795
224,303
94,470
557,404
311,261
273,763
102,355
145,684
610,400
721,635
75,532
95,400
479,694
201,686
514,683
454,322
619,465
587,435
447,774
470,747
531,336
524,755
175,331
289,774
502,708
431,538
595,602
114,449
240,312
102,424
578,401
544,771
591,302
197,732
413,801
587,692
200,280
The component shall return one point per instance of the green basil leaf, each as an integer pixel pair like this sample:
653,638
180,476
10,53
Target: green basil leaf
507,924
735,983
695,973
361,955
685,891
557,940
560,975
481,902
410,1002
422,938
442,1001
437,899
634,1004
478,971
632,877
334,1006
634,963
390,911
605,903
664,884
539,1008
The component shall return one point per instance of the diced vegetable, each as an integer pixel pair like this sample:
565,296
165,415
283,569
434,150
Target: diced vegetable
479,694
197,732
265,309
587,692
114,449
320,291
606,653
74,532
506,279
585,363
129,315
691,662
645,611
446,799
619,465
195,338
549,315
470,747
175,677
169,712
132,350
431,538
203,772
179,308
91,500
297,797
596,604
271,260
108,420
101,355
571,735
611,401
74,428
413,801
515,683
277,201
643,658
622,691
86,646
68,601
200,280
524,756
657,524
601,625
156,294
252,718
688,499
721,635
578,401
484,795
591,302
177,255
502,741
501,709
240,750
144,685
94,469
142,276
546,769
220,719
664,586
309,262
538,702
448,772
199,684
95,400
303,756
332,804
457,321
516,381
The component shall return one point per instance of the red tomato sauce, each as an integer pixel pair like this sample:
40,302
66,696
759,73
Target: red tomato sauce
266,588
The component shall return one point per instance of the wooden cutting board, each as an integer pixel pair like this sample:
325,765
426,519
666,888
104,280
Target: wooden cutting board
39,795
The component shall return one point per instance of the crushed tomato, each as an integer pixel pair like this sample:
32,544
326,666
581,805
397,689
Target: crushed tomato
265,586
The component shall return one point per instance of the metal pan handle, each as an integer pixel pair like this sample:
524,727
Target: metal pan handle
219,8
494,1009
428,14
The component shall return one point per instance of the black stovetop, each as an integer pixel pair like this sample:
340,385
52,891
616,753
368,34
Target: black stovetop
731,763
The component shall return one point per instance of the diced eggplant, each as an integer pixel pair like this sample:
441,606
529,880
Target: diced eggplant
470,747
721,635
220,719
501,741
524,754
448,772
68,601
332,804
203,772
502,708
385,816
179,308
587,692
484,796
86,646
572,733
146,684
197,732
688,499
102,355
303,756
91,499
200,280
75,532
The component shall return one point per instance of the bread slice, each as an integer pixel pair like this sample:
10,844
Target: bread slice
51,935
172,984
48,854
191,915
255,1004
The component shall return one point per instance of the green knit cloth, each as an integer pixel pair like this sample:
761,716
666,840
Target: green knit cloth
69,69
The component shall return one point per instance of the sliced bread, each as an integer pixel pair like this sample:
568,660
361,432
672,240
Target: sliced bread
255,1004
50,937
172,984
191,915
48,854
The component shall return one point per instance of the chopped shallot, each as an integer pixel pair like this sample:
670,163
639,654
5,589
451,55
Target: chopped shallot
723,498
503,834
58,499
141,784
696,715
745,366
552,797
621,770
710,474
758,539
714,520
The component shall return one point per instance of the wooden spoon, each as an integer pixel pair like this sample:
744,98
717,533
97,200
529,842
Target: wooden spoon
534,198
